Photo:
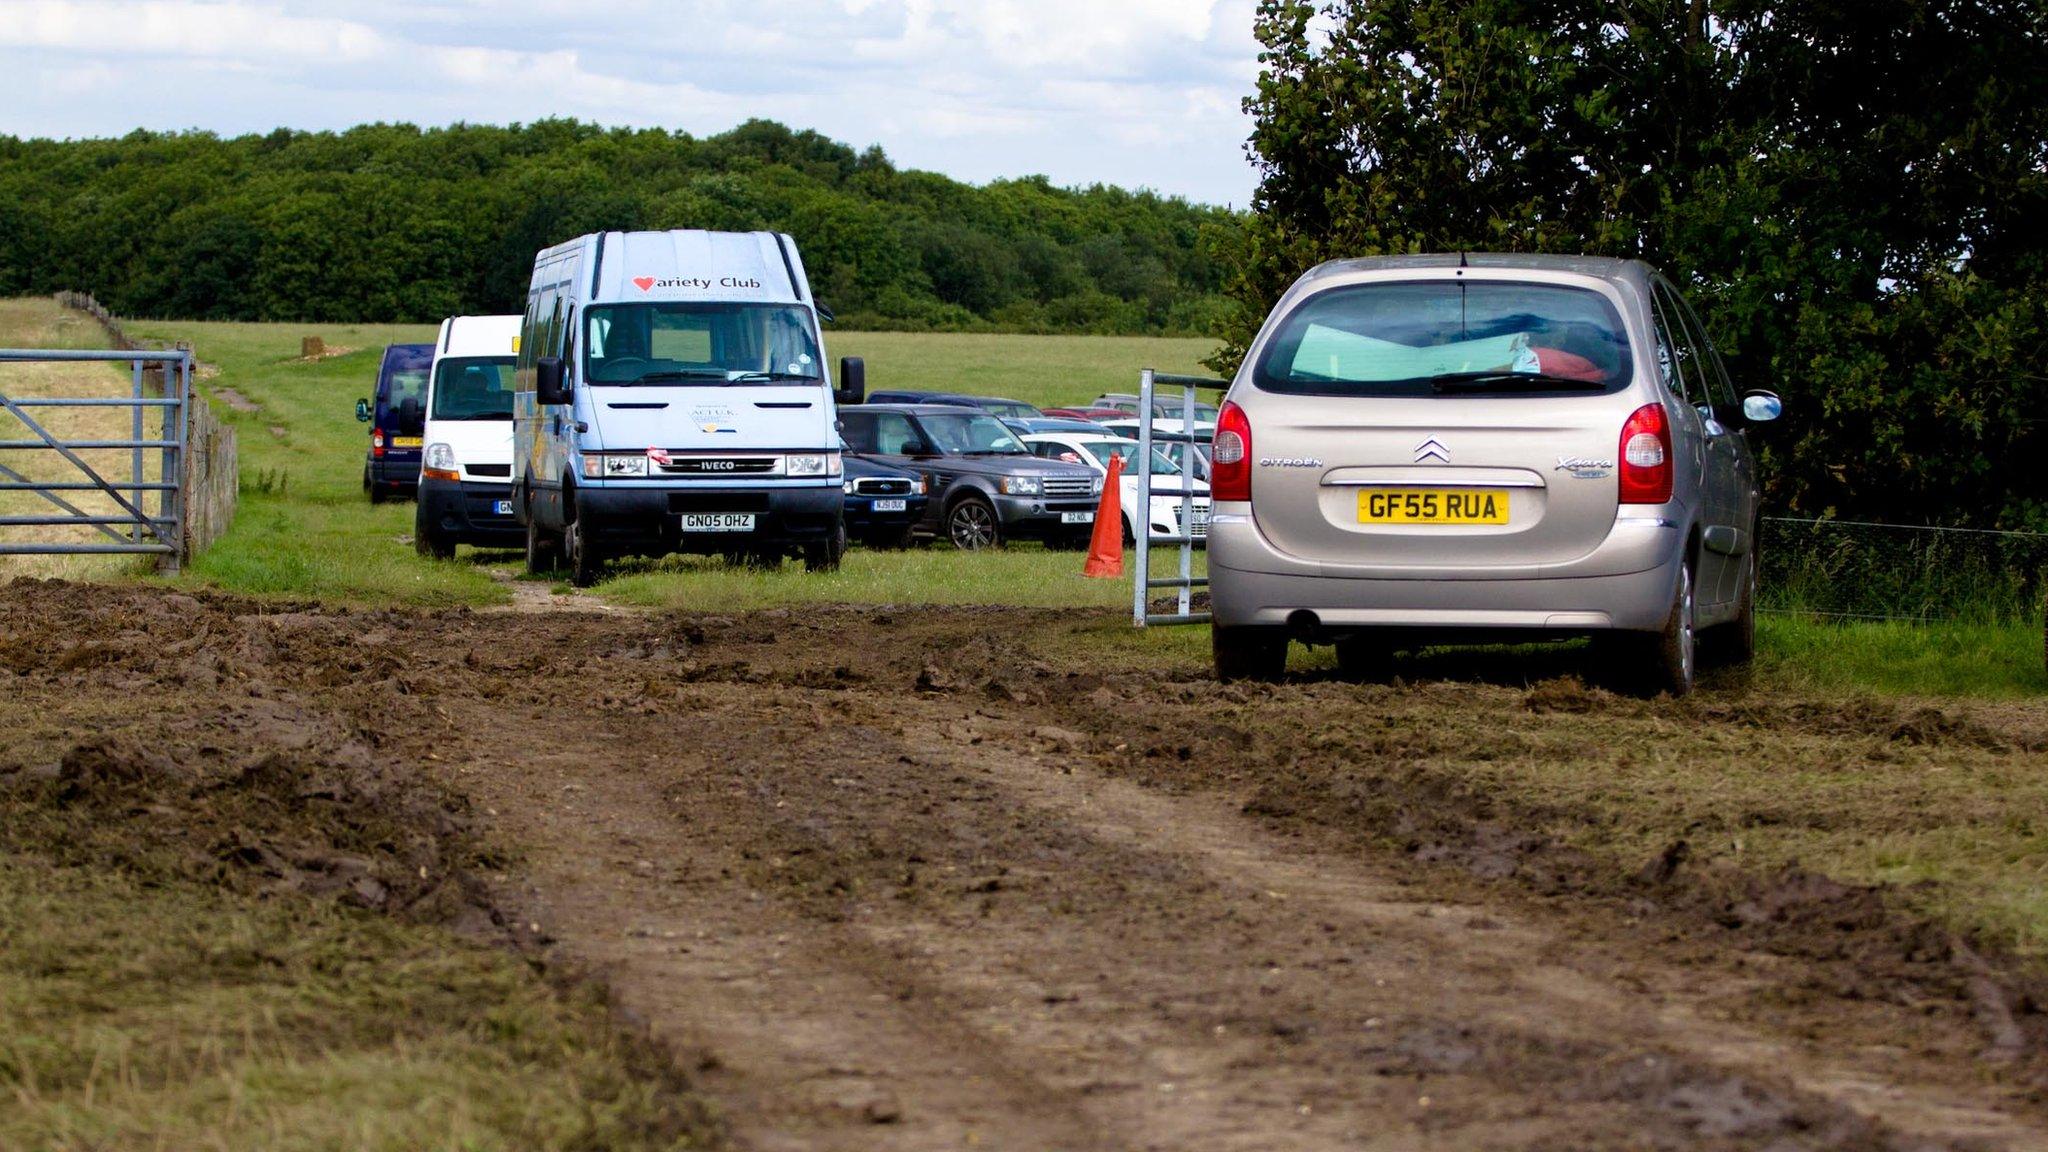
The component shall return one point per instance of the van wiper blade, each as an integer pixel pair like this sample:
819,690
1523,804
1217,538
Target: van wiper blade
752,377
682,374
1502,380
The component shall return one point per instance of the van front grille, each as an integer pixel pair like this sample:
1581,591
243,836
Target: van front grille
719,465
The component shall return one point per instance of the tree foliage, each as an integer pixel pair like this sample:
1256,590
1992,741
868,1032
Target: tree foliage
1855,191
388,222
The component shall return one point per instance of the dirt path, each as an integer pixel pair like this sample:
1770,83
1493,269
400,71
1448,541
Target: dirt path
884,879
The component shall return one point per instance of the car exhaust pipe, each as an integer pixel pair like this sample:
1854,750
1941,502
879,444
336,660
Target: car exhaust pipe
1306,626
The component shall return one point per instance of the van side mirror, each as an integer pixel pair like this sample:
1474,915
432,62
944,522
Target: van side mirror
1761,407
550,385
363,411
853,380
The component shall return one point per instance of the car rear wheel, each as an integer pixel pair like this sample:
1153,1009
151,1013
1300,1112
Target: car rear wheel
972,524
1248,653
1734,643
1673,654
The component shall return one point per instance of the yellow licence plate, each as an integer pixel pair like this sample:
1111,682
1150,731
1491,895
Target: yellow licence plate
405,441
1432,506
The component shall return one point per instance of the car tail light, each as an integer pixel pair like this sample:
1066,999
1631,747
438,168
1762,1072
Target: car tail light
1230,465
1646,456
377,442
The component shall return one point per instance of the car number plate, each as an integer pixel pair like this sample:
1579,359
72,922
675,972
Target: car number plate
890,505
405,441
1432,506
501,507
1077,517
718,522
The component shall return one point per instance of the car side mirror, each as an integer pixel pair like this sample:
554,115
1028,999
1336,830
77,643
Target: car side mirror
363,411
853,380
1761,407
550,383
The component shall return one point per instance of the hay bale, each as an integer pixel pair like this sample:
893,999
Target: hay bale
312,348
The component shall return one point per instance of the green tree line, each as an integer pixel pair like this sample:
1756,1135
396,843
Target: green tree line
1856,192
390,222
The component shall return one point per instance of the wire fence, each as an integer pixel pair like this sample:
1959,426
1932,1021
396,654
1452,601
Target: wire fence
1853,570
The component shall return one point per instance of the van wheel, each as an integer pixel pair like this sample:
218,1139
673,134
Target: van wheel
1248,653
543,548
825,555
427,539
972,524
580,552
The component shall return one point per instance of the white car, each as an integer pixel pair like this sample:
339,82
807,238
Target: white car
1095,451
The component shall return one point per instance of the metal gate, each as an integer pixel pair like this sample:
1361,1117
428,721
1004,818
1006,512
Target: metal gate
154,463
1184,581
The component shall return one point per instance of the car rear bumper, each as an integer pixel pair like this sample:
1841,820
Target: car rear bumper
1628,583
393,472
467,511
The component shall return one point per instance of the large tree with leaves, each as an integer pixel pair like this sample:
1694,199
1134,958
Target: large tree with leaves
1857,189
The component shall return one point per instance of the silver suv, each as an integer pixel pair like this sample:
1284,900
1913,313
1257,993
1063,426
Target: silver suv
1473,448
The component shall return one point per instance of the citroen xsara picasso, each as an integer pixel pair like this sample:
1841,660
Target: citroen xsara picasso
1443,449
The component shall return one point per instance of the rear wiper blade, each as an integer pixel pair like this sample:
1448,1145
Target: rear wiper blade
1502,380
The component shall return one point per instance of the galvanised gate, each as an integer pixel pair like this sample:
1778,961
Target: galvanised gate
131,493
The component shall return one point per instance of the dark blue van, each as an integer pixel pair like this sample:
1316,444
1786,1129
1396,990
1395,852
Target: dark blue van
397,420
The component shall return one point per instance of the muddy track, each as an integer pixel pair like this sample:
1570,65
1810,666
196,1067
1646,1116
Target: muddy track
898,879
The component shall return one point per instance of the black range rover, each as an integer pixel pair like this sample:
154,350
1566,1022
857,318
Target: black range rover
986,486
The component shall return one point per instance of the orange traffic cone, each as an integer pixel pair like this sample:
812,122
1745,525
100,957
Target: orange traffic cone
1106,546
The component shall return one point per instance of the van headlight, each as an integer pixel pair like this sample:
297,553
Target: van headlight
1020,485
818,464
440,457
598,467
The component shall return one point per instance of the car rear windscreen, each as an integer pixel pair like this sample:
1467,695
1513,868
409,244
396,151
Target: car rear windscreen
1450,337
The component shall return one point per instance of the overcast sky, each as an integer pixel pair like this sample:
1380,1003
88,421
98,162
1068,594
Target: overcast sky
1140,93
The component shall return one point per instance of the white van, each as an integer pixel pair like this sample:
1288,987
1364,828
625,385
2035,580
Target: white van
466,466
672,397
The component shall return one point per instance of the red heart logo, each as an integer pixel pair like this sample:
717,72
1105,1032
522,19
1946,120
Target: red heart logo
643,283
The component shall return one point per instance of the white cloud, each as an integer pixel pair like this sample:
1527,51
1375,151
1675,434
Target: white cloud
1131,92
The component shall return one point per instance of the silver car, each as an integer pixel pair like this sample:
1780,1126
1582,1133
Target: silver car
1475,448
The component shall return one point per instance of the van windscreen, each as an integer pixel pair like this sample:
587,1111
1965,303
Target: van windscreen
685,341
1420,338
473,388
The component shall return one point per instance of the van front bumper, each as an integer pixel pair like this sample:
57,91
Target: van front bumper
1628,583
467,511
625,519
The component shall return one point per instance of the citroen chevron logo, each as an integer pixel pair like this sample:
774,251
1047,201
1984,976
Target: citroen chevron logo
1432,449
